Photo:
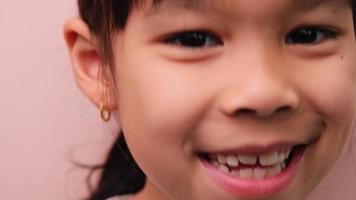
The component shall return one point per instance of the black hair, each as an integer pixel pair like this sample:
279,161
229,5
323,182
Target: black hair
121,174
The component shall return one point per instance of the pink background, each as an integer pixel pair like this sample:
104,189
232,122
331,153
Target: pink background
46,123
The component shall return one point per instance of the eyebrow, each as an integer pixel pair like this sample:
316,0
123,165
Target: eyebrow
312,4
198,5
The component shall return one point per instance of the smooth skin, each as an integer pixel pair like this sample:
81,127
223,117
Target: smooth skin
248,82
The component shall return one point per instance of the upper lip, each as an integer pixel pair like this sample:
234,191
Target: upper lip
262,145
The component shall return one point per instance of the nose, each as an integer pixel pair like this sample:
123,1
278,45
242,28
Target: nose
260,94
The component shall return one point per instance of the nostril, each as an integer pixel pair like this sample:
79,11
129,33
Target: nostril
259,104
283,109
262,113
245,111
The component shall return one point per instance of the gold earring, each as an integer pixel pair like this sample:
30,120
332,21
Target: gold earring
104,114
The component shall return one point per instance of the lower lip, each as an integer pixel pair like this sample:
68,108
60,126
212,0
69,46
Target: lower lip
256,188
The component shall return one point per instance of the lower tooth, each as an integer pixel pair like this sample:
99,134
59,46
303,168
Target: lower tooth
216,164
235,173
273,171
251,173
259,173
224,168
246,173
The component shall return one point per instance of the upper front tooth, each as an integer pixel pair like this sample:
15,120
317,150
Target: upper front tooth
269,159
232,161
248,159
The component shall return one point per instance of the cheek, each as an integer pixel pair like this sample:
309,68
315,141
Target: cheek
160,107
335,100
163,97
160,104
330,88
160,100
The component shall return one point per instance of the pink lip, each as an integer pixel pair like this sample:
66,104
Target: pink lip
256,188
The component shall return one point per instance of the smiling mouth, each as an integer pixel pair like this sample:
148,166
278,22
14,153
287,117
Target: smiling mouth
254,167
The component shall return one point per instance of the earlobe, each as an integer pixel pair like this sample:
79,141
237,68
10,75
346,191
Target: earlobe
84,52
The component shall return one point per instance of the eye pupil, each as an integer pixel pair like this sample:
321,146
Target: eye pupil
302,36
192,39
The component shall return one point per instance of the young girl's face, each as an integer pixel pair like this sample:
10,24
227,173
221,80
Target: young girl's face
213,95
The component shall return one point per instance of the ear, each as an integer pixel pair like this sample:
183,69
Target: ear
87,64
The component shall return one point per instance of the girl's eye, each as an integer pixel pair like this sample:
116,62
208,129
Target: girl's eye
194,39
309,36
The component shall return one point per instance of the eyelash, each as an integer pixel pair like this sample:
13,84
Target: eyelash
194,39
310,35
197,39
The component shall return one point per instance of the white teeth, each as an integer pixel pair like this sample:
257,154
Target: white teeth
232,161
235,173
281,157
246,173
288,153
222,159
273,171
253,173
269,159
248,159
283,165
271,164
259,173
216,164
224,168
